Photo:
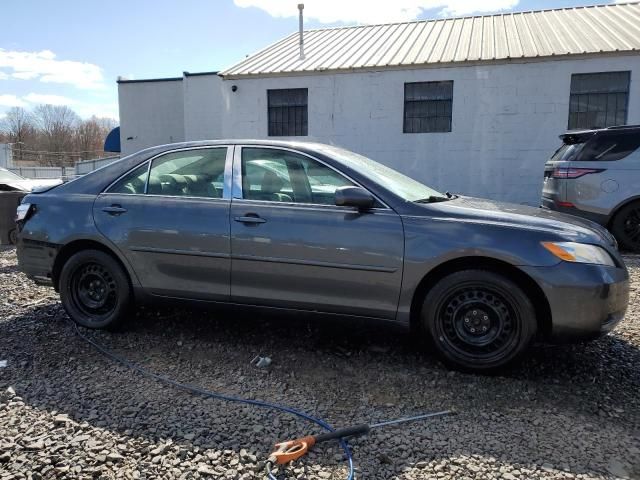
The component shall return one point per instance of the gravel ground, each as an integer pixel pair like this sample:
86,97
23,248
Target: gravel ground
66,411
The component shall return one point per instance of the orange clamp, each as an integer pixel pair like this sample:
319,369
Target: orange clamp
291,450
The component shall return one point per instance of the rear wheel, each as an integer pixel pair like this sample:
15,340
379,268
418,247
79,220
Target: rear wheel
626,227
95,290
478,320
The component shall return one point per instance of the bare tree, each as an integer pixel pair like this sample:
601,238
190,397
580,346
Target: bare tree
18,128
56,125
54,135
90,135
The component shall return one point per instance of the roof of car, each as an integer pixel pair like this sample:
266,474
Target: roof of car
236,141
579,136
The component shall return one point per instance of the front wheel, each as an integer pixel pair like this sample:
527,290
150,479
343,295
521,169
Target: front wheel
478,320
95,290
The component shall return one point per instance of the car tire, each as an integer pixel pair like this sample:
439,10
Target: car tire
13,236
626,227
478,321
95,290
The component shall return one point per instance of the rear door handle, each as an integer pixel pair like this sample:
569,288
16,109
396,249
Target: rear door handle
114,210
249,218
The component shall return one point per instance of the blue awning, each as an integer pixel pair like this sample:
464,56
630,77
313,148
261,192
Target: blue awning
112,142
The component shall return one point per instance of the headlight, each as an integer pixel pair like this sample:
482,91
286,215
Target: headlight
22,211
579,253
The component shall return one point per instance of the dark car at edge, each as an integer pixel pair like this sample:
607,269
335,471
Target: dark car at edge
311,227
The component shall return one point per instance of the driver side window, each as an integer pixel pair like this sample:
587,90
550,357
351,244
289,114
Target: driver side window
275,175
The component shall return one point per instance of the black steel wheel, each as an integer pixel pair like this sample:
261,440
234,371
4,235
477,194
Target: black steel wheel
626,227
95,290
478,320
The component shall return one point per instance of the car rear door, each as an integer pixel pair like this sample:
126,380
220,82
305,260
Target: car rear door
293,247
170,218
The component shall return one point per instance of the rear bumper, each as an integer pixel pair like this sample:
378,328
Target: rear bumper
550,204
585,300
36,260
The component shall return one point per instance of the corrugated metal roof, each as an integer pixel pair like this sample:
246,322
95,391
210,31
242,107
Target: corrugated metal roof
518,35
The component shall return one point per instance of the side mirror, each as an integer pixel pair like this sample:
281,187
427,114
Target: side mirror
354,197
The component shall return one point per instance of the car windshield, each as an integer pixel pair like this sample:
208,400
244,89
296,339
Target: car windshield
407,188
7,176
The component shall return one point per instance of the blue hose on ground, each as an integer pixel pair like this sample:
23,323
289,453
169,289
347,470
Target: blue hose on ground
220,396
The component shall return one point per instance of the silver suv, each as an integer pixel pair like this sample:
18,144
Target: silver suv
595,174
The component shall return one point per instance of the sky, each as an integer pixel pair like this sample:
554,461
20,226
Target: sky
71,52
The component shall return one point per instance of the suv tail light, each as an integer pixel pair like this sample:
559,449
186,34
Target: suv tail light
568,172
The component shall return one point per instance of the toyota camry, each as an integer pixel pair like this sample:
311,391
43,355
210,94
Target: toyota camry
312,227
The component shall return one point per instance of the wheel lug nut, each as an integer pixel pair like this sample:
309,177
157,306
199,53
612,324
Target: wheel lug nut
484,329
466,320
473,330
486,318
475,312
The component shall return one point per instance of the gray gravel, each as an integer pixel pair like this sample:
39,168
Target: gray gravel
66,411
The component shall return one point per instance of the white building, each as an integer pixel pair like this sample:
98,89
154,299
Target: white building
472,105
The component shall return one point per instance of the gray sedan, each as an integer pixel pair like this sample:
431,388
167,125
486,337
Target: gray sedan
312,227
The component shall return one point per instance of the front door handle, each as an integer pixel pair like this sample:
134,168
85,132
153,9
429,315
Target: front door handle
250,218
114,210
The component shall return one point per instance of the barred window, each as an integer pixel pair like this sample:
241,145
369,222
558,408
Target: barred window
287,112
598,100
427,107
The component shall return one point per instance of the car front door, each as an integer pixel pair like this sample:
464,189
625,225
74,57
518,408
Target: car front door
293,247
170,218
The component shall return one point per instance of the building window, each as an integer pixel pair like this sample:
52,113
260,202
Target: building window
427,107
598,100
287,112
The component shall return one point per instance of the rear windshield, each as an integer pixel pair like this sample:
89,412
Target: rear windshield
566,152
608,148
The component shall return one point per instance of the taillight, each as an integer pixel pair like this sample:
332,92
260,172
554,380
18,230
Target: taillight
23,211
567,172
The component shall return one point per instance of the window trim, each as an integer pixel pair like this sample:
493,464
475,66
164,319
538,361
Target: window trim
627,93
269,107
236,193
226,186
404,106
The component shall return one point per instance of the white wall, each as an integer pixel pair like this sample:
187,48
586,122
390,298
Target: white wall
5,155
203,107
506,120
151,113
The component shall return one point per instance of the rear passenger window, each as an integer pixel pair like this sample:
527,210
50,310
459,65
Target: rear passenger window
133,182
607,148
189,173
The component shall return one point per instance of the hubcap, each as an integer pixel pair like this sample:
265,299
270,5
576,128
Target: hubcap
478,322
93,290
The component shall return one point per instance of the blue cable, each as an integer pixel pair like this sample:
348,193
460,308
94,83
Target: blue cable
220,396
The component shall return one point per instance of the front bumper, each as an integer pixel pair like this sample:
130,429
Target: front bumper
585,300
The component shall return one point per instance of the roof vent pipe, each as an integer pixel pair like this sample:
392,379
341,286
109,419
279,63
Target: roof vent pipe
301,22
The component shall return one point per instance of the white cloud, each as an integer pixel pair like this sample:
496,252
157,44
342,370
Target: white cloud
108,110
11,101
3,76
367,11
48,99
45,67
